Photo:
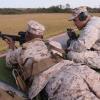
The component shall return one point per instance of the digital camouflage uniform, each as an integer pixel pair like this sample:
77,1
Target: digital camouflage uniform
89,38
35,50
34,56
67,81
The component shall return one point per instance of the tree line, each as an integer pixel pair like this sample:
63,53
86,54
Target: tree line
52,9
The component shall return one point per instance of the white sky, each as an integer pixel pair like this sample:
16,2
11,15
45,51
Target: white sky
46,3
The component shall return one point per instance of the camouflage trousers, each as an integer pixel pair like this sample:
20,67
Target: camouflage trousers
68,81
90,58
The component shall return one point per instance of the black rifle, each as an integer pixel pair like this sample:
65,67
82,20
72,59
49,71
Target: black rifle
72,36
20,37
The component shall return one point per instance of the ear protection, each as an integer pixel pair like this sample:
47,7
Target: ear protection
82,16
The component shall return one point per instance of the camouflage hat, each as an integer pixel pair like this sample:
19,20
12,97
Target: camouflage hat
77,11
35,27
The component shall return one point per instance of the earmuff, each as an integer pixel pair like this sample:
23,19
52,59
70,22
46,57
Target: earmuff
82,16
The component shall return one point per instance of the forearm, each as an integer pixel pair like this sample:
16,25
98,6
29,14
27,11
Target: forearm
77,46
11,57
86,40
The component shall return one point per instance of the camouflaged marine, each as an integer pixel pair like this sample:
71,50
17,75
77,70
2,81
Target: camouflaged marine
35,56
86,49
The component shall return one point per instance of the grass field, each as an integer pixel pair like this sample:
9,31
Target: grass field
54,22
5,73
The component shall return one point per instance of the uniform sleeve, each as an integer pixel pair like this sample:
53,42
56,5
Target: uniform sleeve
87,38
11,57
28,68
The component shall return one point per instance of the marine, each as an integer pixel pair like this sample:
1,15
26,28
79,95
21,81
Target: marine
86,48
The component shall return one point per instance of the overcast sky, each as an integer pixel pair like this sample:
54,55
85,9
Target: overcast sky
46,3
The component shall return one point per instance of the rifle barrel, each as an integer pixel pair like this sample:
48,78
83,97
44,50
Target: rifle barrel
14,37
20,37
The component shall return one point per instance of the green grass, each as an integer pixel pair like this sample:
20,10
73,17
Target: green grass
5,73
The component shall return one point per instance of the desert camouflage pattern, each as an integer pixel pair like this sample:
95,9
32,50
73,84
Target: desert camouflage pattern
43,78
34,50
89,38
68,81
11,57
35,27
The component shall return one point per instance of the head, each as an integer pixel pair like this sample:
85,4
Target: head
34,30
80,17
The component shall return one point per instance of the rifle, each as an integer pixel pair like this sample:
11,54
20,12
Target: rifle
71,33
20,37
72,36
